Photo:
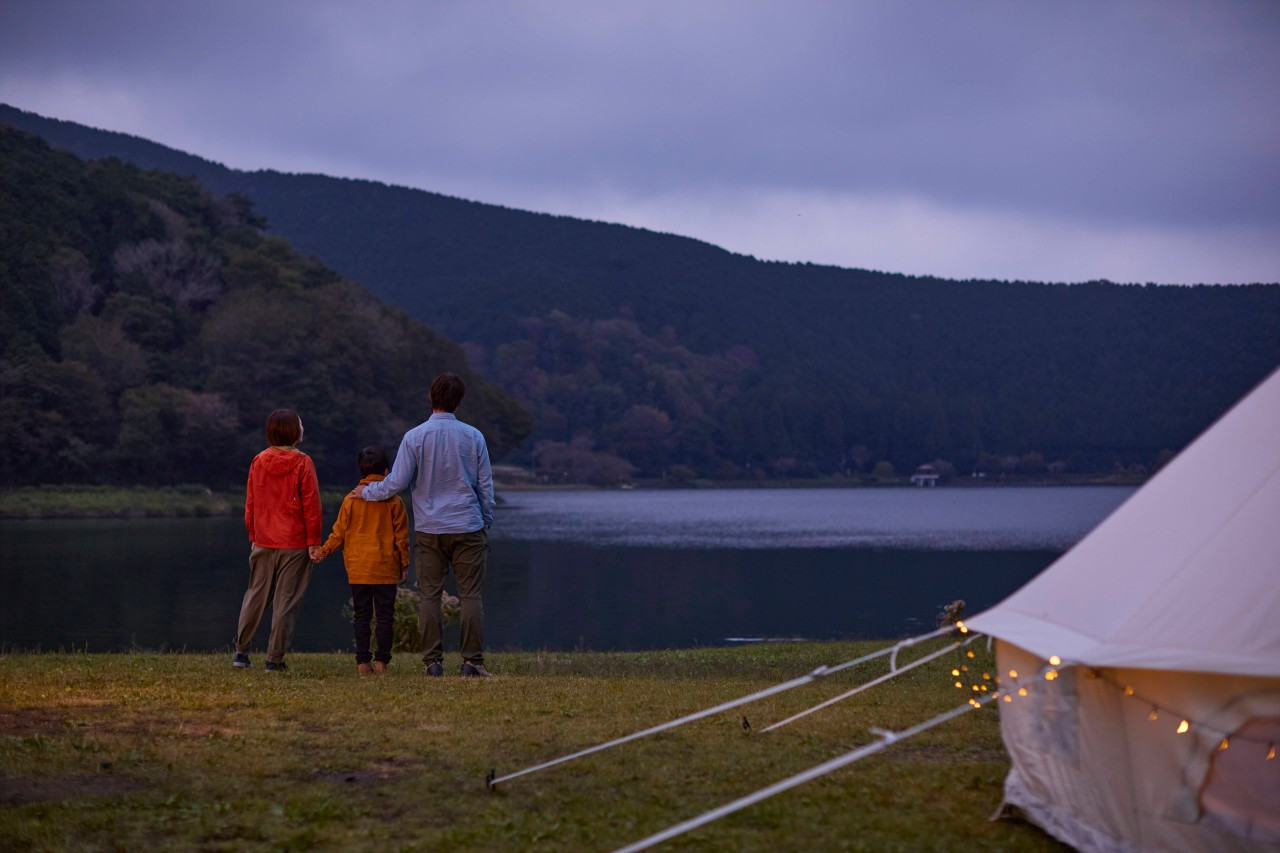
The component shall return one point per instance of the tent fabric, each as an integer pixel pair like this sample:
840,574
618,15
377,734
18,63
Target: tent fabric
1166,619
1185,575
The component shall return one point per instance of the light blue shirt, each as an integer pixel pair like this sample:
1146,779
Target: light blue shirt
446,464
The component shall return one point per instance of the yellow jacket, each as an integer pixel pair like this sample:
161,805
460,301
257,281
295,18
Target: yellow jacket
373,536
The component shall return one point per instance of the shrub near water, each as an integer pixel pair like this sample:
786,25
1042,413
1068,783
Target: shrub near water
406,635
180,752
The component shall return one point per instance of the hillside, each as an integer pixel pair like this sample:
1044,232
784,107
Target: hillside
660,350
147,327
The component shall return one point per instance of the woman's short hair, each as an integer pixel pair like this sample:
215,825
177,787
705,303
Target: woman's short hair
447,392
372,460
284,428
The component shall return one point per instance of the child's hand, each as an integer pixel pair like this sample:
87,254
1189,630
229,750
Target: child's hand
313,552
404,574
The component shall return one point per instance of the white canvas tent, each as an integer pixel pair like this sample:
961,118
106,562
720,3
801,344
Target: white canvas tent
1165,617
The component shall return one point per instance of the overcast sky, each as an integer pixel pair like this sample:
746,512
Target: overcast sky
1067,141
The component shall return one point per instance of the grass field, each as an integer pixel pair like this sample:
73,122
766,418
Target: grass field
182,752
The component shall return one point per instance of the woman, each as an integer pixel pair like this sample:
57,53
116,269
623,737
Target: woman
282,514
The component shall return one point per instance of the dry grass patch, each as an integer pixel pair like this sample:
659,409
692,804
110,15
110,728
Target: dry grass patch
179,752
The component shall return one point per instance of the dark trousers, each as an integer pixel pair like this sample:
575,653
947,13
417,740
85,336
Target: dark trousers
368,599
468,555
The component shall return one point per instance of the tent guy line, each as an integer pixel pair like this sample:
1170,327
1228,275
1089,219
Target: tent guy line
882,679
493,781
886,738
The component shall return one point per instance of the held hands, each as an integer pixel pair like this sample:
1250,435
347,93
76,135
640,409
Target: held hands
404,574
313,551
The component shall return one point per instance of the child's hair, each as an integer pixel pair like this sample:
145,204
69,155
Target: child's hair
284,428
447,392
372,460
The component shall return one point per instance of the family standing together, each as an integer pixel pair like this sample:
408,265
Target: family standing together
444,465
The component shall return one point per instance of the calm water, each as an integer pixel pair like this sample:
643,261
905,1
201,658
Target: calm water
597,570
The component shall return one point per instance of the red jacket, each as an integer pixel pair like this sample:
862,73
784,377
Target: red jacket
282,500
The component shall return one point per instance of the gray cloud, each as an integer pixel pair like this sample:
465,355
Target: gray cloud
1153,120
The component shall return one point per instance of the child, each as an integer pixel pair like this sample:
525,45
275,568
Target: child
282,515
374,538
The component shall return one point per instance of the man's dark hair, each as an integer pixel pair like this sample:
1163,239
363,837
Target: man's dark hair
447,392
284,428
372,460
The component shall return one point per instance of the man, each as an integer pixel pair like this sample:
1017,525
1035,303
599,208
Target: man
446,464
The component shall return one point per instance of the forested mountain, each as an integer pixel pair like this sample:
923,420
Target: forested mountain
147,327
659,350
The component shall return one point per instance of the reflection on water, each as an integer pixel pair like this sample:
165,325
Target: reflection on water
599,570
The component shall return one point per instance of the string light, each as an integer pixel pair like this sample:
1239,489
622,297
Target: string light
1184,725
960,624
955,672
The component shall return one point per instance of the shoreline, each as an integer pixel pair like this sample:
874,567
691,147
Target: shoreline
63,502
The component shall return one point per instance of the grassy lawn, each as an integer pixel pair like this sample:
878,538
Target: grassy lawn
181,752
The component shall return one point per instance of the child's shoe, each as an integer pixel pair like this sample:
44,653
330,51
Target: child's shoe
363,669
380,667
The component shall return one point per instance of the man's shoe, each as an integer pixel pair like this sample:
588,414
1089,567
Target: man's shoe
380,667
276,667
363,669
435,670
475,670
241,661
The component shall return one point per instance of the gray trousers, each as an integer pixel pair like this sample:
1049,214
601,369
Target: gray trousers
468,554
280,576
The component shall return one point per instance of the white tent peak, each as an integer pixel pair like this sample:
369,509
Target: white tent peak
1184,576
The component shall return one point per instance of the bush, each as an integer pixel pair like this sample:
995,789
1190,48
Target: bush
406,635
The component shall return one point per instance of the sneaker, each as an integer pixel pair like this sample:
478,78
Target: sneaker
363,669
475,670
380,667
276,667
435,670
241,661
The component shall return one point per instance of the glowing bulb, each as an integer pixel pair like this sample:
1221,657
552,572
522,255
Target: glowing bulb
960,624
1271,753
965,668
986,677
1055,660
955,672
1128,691
1022,691
1013,673
975,688
1006,697
958,684
968,654
1051,675
1184,727
1223,745
1153,715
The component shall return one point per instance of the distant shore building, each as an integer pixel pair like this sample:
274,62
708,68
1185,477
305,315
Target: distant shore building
925,475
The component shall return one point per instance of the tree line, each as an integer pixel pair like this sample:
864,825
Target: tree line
148,326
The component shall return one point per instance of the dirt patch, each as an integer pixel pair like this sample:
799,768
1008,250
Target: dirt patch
375,772
32,721
18,792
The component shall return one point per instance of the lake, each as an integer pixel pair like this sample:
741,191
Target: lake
598,570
